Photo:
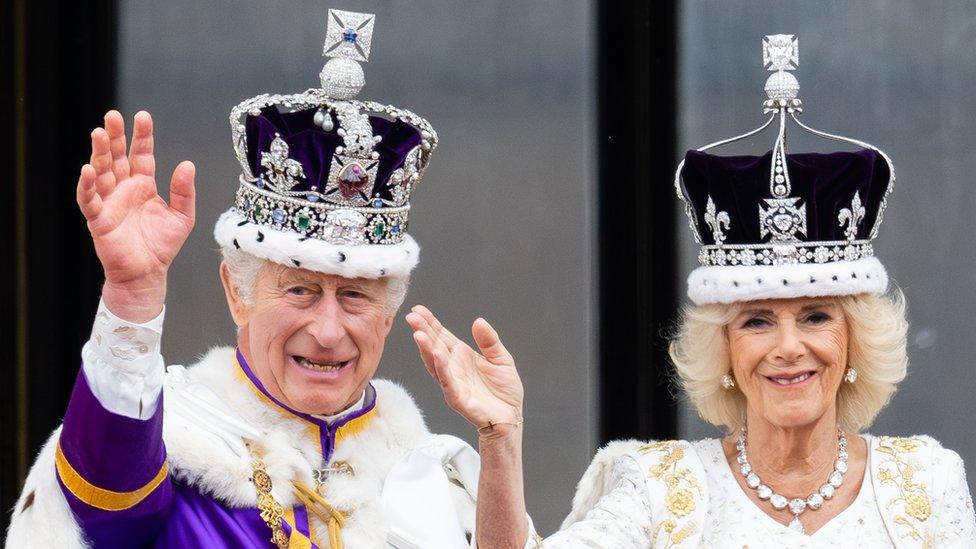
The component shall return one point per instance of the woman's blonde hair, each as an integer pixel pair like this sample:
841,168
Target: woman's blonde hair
877,330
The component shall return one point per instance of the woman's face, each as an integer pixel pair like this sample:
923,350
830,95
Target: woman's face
788,358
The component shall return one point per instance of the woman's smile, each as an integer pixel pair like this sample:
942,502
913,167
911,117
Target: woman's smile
792,380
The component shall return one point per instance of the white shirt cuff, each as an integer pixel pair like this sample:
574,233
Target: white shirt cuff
123,365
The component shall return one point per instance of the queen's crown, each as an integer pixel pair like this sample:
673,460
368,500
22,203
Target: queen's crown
779,208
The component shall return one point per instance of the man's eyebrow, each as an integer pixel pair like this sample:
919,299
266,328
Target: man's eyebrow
286,275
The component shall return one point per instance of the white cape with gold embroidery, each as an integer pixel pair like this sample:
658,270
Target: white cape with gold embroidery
683,494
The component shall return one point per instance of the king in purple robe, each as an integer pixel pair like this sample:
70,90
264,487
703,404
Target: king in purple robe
287,440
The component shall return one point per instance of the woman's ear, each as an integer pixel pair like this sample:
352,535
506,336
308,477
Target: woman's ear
238,310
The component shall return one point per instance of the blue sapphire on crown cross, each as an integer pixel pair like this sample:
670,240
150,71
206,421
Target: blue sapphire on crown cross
348,35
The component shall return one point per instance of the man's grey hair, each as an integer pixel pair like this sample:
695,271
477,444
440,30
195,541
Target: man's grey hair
244,267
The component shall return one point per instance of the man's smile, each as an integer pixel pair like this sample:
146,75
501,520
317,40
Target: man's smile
323,366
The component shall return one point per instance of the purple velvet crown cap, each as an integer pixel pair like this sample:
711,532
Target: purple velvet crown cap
314,148
824,182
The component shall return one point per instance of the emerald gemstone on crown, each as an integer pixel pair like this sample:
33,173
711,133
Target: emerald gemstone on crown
304,221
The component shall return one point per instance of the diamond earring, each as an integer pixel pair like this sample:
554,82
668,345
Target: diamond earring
850,375
728,381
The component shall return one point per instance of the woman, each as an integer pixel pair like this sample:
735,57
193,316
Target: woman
794,343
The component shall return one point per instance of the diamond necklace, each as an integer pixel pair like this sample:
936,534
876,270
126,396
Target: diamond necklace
797,505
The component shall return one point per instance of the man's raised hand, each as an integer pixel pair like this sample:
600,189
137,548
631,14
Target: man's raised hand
136,233
483,387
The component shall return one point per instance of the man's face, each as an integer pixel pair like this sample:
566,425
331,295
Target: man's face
313,340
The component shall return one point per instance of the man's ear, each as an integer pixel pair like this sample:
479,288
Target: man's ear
388,321
238,310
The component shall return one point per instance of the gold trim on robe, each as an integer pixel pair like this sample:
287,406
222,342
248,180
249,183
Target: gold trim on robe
100,498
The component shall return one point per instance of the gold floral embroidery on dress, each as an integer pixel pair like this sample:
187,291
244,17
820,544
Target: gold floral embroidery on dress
680,485
898,469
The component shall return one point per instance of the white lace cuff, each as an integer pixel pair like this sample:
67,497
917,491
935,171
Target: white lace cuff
123,365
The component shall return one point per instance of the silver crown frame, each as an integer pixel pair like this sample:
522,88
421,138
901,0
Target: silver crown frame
784,217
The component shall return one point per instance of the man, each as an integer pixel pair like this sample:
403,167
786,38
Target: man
288,438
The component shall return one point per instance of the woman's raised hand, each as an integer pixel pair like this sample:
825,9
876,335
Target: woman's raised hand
136,233
483,387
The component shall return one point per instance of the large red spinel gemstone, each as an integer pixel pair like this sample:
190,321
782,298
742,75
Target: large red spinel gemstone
352,180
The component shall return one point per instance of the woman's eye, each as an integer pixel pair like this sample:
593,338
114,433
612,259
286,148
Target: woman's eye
818,318
755,322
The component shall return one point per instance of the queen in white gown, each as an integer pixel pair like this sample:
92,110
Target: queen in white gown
794,343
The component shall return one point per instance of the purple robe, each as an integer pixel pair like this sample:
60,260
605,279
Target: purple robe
114,474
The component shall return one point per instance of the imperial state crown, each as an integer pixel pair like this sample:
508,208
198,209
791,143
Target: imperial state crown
326,178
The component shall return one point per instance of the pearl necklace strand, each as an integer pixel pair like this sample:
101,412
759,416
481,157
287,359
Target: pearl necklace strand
796,505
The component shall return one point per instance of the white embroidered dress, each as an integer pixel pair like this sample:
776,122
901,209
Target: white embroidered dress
681,494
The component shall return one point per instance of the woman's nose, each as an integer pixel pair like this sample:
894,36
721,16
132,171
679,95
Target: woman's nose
789,346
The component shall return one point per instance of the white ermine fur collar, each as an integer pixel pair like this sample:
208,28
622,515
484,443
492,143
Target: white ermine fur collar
201,456
290,453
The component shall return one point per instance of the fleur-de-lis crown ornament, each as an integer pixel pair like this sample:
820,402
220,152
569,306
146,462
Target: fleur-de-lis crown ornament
281,171
849,218
717,221
326,178
814,215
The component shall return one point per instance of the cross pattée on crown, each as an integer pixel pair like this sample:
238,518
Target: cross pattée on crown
348,34
781,52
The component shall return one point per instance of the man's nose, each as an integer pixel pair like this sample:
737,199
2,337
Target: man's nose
325,325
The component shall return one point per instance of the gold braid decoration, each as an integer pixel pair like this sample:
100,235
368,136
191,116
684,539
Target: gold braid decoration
324,510
271,511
